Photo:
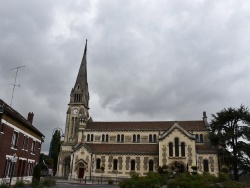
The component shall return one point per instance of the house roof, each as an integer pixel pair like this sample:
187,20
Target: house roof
147,149
204,148
18,117
145,125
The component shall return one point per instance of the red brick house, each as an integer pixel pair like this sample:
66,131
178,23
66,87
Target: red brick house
20,145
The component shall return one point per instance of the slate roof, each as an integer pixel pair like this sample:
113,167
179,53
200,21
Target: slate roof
147,125
204,148
18,117
147,149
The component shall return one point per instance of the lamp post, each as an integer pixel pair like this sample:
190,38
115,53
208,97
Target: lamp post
55,129
12,166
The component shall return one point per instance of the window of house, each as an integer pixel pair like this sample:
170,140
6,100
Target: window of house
24,142
183,149
197,137
98,163
30,168
201,137
134,138
132,165
107,137
176,146
14,139
170,145
138,138
92,137
118,138
150,165
205,165
2,126
150,138
8,168
122,138
103,137
154,138
33,146
115,162
88,138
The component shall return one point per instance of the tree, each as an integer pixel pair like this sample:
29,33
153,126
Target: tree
230,128
55,148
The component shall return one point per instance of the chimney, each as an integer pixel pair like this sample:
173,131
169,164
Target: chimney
30,117
205,119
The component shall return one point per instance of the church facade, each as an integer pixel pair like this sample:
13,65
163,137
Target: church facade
115,149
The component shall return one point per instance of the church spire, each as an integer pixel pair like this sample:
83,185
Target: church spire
80,92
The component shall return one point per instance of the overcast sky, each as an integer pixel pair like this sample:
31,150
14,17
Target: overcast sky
147,60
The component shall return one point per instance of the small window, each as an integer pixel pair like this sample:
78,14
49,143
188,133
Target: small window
2,126
134,138
151,165
150,138
115,162
138,138
103,137
98,163
170,145
8,167
33,145
107,137
132,165
92,137
201,137
176,144
183,149
14,139
118,138
154,138
122,138
88,138
197,137
205,165
30,169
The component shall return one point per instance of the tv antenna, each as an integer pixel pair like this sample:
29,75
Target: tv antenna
14,85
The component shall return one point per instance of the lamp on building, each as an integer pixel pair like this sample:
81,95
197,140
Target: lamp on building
12,166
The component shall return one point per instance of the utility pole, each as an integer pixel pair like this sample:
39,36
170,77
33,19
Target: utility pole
14,85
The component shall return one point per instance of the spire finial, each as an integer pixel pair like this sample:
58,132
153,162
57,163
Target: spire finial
85,50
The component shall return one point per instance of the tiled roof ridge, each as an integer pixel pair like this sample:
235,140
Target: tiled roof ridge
163,121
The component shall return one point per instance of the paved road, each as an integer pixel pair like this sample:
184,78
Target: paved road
61,185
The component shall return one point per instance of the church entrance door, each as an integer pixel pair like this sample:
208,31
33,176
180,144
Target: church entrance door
81,173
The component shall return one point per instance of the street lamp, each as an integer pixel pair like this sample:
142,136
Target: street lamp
13,162
55,129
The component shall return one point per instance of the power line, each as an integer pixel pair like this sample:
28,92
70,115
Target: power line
14,85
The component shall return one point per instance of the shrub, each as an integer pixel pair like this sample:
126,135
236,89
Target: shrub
110,182
19,184
47,183
224,169
37,173
3,185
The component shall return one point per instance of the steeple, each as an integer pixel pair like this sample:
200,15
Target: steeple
80,92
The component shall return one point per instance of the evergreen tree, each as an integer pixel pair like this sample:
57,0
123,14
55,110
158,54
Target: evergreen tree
230,130
55,148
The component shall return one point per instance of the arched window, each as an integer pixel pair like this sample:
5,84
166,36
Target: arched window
88,138
201,137
170,145
132,164
115,164
98,163
183,149
107,137
138,138
205,165
150,138
150,165
154,138
92,137
103,137
197,137
122,138
176,147
134,138
118,138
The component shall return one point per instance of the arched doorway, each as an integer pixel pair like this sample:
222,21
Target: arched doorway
81,166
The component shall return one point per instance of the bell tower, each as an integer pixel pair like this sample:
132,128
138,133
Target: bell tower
78,107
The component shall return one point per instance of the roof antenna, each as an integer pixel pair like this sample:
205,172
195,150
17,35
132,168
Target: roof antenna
14,85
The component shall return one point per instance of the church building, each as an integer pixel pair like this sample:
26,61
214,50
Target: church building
115,149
